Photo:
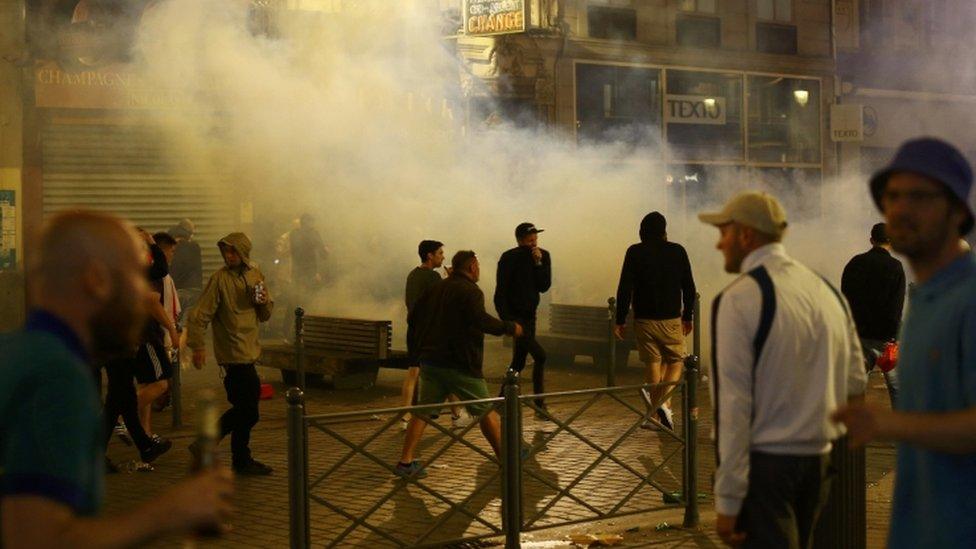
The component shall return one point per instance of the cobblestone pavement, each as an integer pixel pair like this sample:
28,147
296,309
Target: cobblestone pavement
460,496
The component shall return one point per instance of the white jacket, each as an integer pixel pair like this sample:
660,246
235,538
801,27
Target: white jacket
810,364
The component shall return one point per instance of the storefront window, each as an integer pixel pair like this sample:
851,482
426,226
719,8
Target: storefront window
784,120
618,104
703,113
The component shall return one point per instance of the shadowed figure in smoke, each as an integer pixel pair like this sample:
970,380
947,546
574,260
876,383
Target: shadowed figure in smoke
446,335
236,300
656,278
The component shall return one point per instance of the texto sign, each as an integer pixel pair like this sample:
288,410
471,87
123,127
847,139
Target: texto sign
694,109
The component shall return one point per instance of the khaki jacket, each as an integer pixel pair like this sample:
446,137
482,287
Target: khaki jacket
227,303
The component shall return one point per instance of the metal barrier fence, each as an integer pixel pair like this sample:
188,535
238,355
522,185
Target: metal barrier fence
553,471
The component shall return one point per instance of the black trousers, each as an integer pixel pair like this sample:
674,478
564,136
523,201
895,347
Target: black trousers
525,346
121,400
243,392
785,497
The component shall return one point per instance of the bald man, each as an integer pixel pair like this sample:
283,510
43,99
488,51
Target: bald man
87,283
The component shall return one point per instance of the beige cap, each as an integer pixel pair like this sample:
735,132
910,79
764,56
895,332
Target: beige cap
754,209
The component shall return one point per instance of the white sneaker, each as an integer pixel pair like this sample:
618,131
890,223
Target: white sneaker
461,421
667,417
404,423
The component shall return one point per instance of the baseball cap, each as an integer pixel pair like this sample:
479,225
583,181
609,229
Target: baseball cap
754,209
935,159
525,229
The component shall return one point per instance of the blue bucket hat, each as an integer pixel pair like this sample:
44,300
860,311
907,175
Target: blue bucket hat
935,159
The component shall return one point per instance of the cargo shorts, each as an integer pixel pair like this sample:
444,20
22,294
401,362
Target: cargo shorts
660,340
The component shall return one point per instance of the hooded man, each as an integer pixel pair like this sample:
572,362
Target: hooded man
656,278
236,305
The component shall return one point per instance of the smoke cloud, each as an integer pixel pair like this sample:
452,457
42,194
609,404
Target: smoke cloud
357,119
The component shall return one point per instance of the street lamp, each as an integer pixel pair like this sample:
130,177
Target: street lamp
802,97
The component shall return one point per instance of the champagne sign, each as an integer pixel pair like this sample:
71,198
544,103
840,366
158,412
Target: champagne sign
487,17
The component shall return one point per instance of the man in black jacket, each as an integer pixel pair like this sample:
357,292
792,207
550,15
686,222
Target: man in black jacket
656,278
446,334
523,273
874,285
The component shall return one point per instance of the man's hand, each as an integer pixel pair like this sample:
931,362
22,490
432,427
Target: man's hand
618,331
261,297
863,422
199,358
202,500
687,326
725,527
537,255
518,330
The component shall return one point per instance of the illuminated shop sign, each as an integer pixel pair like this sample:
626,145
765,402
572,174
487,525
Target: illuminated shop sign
487,17
694,109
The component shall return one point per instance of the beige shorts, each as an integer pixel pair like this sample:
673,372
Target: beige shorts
660,340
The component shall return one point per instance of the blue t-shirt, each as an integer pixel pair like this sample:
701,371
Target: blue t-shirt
50,431
935,492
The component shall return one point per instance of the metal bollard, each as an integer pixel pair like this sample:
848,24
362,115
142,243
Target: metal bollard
612,339
297,475
843,520
690,411
300,346
176,392
512,463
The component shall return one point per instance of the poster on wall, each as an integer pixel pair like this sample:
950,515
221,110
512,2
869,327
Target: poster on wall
8,230
488,17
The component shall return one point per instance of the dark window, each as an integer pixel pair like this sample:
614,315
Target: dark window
699,32
618,104
613,23
776,38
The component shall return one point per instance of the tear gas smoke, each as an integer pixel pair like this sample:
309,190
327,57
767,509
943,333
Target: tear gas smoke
356,118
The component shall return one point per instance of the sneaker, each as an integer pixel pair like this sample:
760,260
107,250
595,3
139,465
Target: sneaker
123,434
253,468
667,417
462,421
413,470
645,394
158,448
404,423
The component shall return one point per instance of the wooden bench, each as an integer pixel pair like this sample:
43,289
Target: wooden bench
576,330
345,352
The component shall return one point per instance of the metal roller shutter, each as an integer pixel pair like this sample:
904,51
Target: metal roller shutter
127,170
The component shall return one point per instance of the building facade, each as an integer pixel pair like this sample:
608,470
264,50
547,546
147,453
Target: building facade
708,87
902,63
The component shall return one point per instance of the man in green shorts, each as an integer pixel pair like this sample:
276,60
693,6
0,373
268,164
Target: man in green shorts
445,334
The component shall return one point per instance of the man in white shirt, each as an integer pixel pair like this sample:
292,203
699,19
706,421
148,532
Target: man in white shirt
785,354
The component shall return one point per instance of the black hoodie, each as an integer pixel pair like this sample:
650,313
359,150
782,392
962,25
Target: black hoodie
656,278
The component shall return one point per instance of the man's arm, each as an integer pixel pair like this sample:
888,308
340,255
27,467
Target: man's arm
484,321
543,273
159,314
625,288
857,377
952,432
502,276
202,314
36,522
688,290
736,321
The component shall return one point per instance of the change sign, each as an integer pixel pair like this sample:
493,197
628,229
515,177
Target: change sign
486,17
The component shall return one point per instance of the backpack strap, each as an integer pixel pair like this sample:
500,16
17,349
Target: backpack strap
766,314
